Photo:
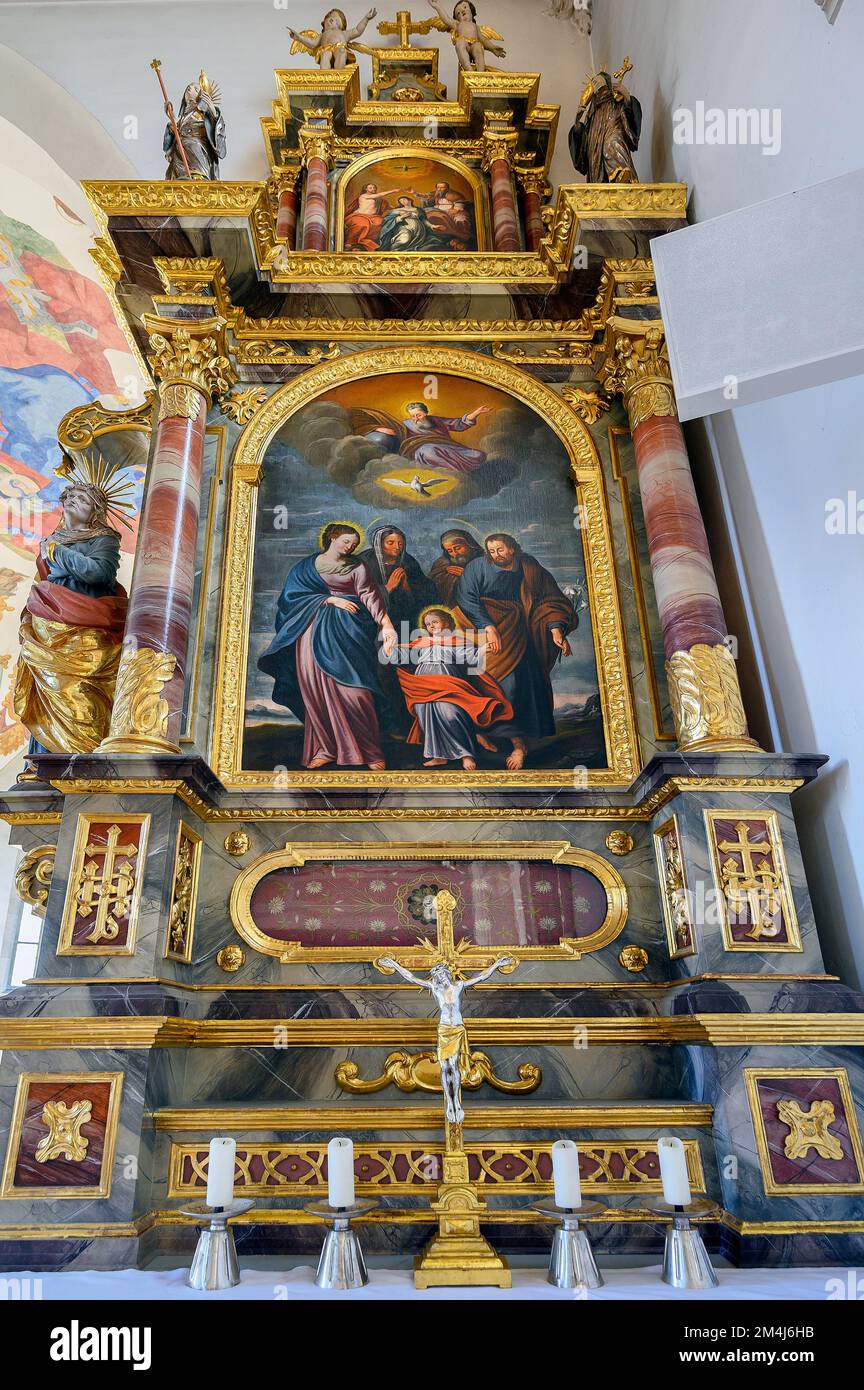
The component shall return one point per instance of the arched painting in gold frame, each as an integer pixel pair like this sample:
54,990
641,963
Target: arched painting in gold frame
615,693
413,171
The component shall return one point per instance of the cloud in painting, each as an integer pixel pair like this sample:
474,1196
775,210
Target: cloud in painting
322,432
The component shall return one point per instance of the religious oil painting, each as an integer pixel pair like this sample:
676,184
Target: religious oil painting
408,203
419,589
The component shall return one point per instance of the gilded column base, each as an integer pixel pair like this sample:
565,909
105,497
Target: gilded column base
706,700
137,743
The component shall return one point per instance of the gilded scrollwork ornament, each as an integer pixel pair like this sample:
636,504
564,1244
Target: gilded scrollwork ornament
420,1071
33,877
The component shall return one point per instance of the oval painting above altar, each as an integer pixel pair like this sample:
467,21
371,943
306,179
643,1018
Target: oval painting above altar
409,202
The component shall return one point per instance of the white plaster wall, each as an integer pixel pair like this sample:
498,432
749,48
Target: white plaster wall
100,52
784,459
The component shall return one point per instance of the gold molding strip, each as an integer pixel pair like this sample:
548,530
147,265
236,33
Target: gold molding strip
718,1030
398,1216
275,986
329,1119
643,811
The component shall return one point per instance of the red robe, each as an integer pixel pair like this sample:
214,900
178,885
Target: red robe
478,694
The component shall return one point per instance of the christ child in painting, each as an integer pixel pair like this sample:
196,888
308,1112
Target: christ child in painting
451,699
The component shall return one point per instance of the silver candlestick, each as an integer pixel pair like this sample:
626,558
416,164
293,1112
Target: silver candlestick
214,1264
341,1265
571,1262
686,1263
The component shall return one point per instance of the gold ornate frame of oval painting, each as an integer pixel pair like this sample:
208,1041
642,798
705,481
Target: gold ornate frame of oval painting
616,697
440,944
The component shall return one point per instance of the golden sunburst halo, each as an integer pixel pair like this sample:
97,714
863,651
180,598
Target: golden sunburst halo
111,479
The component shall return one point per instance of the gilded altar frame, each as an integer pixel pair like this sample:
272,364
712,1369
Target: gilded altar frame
610,649
470,954
420,151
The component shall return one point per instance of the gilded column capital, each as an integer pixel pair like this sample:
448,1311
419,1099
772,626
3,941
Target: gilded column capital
534,181
498,144
315,136
706,699
635,366
189,359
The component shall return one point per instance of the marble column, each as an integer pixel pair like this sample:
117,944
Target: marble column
189,362
533,186
314,231
700,665
286,217
505,219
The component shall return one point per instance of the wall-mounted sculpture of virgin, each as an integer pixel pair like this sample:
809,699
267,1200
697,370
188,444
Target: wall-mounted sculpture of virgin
419,593
72,624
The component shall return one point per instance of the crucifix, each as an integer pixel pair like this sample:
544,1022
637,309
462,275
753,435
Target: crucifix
459,1254
405,26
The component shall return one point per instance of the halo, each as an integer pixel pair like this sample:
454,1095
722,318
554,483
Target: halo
96,471
341,522
437,608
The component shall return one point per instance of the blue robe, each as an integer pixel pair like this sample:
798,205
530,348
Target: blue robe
344,644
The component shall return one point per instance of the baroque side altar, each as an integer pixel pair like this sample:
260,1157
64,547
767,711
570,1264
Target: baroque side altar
423,608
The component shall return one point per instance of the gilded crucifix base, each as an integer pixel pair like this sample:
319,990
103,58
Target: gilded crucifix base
459,1255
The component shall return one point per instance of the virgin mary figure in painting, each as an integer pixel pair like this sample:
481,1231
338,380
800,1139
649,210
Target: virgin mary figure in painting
451,700
71,629
427,438
324,656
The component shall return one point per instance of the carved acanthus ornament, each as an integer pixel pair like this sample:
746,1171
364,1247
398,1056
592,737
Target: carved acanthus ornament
706,698
33,877
636,367
139,721
534,181
589,405
191,354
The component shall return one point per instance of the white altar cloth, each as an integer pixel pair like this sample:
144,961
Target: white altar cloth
275,1285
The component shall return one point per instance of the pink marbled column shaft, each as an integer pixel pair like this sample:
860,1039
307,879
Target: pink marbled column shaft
314,236
160,604
505,221
684,581
534,229
286,218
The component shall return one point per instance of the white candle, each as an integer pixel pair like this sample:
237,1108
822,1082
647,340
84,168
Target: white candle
340,1173
220,1172
673,1171
565,1172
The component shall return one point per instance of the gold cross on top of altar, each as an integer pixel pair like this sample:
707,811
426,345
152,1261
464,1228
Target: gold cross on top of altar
405,26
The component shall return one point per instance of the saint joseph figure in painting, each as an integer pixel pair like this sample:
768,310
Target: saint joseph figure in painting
517,603
324,657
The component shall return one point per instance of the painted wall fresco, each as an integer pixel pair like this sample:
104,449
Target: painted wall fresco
60,347
456,517
406,203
